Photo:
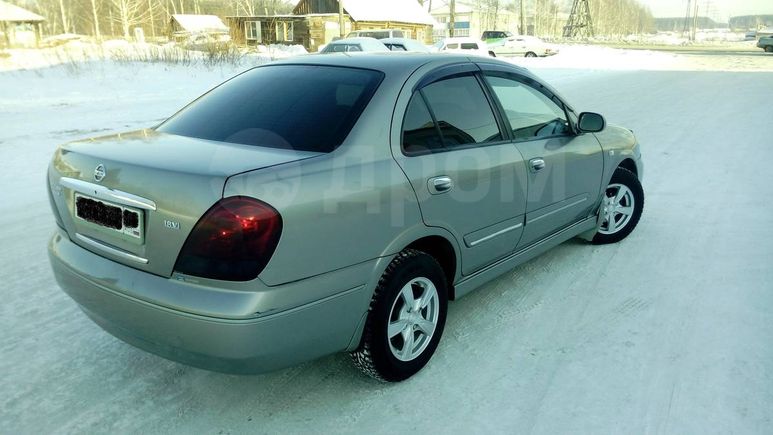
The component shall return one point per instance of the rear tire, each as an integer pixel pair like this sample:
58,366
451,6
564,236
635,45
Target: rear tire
492,54
406,318
621,207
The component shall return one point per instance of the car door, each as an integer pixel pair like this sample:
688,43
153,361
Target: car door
565,168
468,178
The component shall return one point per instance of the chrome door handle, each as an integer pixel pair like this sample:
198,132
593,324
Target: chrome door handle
537,164
439,185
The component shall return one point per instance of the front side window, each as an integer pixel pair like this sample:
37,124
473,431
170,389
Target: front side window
462,115
532,115
299,107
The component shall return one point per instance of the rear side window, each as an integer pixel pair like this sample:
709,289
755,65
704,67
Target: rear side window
300,107
457,108
420,135
397,34
469,46
462,111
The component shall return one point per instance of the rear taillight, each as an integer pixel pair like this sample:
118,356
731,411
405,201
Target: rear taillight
233,240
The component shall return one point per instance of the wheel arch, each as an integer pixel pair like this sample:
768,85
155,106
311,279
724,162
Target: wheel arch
443,251
630,165
435,241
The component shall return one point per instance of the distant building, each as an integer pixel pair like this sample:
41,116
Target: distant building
183,27
472,19
15,22
316,22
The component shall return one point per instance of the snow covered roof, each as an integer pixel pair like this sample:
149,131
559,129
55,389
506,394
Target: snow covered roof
200,23
15,14
441,7
403,11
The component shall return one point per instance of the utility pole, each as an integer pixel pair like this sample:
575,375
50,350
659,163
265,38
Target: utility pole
686,29
452,18
522,29
694,22
342,31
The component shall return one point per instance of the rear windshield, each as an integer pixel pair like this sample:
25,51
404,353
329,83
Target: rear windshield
299,107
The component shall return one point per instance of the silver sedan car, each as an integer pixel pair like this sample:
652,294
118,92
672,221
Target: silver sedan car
331,204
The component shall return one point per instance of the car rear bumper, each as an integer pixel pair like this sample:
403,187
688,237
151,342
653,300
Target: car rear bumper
253,345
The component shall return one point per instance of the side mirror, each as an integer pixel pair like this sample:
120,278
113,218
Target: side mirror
590,122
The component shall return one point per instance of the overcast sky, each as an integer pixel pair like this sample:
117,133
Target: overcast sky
720,8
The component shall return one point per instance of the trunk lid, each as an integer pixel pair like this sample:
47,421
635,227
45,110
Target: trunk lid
155,186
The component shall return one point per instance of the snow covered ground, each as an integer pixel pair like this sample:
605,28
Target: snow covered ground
669,331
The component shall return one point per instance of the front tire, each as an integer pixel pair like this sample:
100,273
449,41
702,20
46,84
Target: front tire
531,54
406,318
769,49
621,207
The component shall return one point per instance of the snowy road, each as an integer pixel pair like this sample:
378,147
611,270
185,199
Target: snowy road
669,331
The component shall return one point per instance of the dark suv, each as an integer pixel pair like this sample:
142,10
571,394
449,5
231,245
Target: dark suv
495,35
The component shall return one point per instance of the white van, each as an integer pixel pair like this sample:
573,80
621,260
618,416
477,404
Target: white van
377,33
463,44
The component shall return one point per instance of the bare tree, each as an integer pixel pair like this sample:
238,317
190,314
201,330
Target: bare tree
95,17
63,14
129,13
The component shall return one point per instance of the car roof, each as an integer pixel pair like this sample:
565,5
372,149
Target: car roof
375,30
407,42
370,44
461,39
401,64
391,62
354,40
398,40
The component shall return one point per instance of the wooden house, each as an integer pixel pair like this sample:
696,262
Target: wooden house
316,22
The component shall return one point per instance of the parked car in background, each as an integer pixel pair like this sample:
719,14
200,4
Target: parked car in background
494,36
461,44
359,44
405,44
299,210
766,43
522,45
377,33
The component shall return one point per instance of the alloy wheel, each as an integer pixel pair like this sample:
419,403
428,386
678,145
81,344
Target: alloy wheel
413,319
616,208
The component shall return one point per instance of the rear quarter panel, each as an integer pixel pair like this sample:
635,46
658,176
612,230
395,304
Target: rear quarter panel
339,209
